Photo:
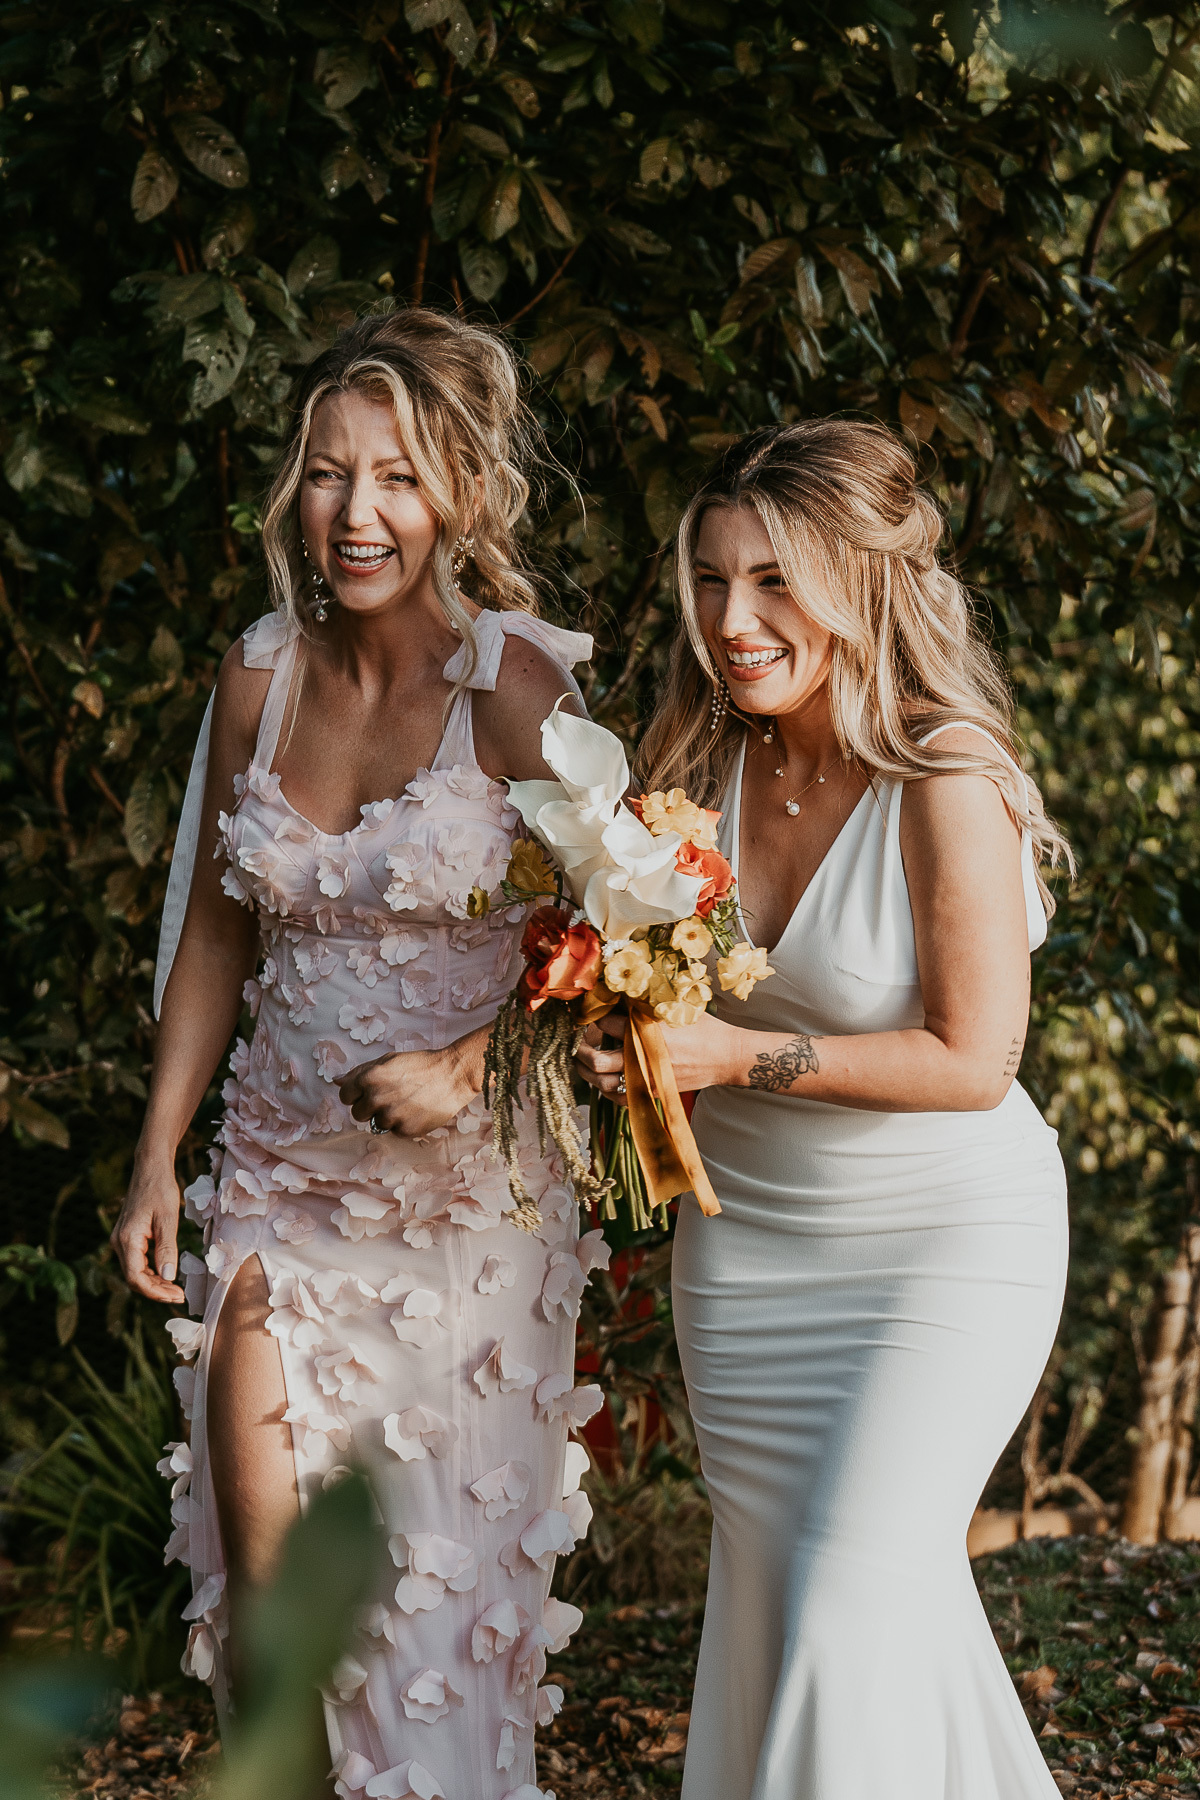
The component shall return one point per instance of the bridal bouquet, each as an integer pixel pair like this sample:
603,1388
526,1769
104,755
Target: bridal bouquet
634,898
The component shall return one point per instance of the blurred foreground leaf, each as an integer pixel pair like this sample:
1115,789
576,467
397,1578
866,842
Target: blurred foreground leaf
42,1706
292,1637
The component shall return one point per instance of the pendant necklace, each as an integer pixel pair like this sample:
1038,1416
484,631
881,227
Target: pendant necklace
792,804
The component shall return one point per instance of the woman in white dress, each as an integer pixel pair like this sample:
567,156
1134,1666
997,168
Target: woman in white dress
863,1325
367,1295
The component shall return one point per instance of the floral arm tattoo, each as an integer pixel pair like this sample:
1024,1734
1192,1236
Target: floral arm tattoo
775,1070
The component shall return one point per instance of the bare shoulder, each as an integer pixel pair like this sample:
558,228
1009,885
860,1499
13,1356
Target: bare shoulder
957,818
958,799
508,719
241,694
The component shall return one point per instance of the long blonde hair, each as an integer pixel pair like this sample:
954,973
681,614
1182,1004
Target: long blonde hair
456,390
856,538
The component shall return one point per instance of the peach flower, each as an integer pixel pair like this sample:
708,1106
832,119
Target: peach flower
562,960
712,869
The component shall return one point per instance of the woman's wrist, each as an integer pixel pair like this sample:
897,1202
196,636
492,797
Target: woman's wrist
467,1059
154,1153
737,1056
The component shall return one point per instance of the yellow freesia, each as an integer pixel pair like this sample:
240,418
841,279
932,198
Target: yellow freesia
673,811
741,971
693,937
627,971
679,991
528,871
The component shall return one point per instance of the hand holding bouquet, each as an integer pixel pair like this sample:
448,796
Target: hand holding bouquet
635,901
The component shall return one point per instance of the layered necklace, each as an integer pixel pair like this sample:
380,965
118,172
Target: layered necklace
792,804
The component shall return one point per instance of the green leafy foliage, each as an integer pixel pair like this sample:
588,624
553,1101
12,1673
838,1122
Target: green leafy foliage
979,225
92,1514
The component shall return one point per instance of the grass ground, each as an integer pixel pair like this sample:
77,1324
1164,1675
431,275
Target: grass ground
1100,1637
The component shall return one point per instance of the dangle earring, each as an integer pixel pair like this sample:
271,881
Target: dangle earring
461,555
720,704
320,601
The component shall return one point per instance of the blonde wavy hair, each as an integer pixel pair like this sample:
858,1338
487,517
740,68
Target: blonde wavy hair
857,539
465,427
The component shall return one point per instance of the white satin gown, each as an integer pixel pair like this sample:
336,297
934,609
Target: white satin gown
423,1336
861,1330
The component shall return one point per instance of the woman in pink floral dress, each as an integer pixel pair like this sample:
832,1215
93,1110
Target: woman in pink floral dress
366,1295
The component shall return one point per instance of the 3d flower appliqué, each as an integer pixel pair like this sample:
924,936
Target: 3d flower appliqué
428,1695
364,1020
349,1374
502,1373
424,1313
502,1490
363,1215
432,1565
497,1630
418,1432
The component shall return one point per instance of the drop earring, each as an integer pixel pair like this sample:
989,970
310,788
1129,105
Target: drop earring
320,602
461,555
720,704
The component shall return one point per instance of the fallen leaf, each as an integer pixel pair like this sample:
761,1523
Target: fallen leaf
1036,1683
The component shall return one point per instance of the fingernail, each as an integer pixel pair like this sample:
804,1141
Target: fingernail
168,1271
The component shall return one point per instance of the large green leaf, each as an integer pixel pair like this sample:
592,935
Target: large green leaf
155,183
212,149
145,816
341,73
484,269
220,350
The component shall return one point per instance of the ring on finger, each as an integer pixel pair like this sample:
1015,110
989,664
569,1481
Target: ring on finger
377,1129
620,1084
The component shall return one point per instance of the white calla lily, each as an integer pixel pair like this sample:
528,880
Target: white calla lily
618,872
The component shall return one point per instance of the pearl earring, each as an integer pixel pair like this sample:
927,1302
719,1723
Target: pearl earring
320,602
461,555
720,704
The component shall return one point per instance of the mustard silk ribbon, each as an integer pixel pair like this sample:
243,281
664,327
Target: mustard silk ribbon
665,1145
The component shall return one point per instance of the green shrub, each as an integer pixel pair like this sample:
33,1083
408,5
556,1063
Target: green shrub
92,1515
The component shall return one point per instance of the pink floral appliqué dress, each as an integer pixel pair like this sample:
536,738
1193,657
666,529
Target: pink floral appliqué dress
424,1337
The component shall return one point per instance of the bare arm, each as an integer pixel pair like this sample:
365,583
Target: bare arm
961,854
203,998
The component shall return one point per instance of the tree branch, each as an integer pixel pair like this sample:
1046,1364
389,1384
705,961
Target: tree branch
431,168
97,777
1101,219
966,319
227,543
542,292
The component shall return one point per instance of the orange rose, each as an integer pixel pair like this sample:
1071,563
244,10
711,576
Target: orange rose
712,869
562,960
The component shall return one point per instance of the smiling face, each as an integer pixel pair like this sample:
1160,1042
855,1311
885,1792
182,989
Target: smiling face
369,531
772,654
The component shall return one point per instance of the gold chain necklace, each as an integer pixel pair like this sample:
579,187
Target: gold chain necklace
792,805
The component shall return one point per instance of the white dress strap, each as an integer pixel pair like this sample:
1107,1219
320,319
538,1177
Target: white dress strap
274,707
1035,911
270,643
491,631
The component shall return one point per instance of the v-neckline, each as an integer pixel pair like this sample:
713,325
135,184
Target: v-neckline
735,844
